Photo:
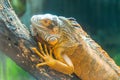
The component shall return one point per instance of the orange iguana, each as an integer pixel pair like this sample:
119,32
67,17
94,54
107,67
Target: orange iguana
68,49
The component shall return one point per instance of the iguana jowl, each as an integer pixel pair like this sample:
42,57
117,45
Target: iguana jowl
73,50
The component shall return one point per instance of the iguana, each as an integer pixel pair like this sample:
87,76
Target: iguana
69,49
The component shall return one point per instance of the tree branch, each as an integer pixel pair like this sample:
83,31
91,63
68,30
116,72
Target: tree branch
15,42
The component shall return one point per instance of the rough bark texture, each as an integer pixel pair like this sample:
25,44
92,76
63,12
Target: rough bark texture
15,42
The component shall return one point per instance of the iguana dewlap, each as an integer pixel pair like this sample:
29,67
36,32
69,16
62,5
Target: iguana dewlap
74,51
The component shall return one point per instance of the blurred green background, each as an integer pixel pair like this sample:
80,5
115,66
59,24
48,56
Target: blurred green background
99,18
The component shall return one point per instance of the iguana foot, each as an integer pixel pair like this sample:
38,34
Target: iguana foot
45,55
52,62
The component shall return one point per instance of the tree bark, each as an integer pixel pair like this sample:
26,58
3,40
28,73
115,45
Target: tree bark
15,42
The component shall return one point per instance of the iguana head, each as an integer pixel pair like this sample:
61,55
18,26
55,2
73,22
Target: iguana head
54,29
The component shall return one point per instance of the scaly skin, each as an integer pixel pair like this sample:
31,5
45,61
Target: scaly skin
73,49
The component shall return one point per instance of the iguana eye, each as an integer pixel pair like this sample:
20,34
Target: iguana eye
46,22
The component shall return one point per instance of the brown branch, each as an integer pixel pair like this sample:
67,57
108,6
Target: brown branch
15,42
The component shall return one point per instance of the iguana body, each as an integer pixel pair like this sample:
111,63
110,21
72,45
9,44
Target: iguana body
73,49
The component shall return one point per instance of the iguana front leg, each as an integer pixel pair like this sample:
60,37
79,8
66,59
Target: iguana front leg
66,68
